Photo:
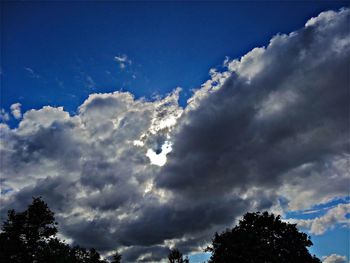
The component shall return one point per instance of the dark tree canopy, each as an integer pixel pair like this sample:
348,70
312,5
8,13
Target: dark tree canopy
175,256
260,238
116,257
24,235
30,236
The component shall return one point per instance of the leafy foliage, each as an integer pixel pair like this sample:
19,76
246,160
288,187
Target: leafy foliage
175,256
25,236
30,236
116,257
259,238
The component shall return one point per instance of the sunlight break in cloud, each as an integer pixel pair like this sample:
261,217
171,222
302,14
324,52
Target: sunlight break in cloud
159,158
260,132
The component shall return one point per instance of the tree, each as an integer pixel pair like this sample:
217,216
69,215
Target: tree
56,251
175,256
30,236
24,235
259,238
116,257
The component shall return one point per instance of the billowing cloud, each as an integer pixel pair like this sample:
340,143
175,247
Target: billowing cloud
283,109
334,258
145,176
334,216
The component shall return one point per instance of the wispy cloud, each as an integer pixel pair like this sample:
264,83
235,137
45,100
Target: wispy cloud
85,79
32,73
123,61
89,82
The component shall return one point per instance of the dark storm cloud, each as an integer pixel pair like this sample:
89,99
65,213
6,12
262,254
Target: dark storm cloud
95,233
174,220
145,253
51,142
265,121
56,190
273,126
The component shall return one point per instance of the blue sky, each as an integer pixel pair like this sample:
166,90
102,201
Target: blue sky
58,53
336,239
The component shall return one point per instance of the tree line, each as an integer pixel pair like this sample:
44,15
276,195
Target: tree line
30,237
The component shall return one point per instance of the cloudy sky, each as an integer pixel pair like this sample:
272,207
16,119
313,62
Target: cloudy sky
148,126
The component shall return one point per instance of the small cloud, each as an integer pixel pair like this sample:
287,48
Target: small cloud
32,73
122,58
122,65
4,116
90,83
226,62
123,61
334,258
16,110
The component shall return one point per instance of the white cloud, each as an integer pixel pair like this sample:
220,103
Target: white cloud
123,61
16,110
319,225
329,180
4,116
322,18
250,64
122,58
334,258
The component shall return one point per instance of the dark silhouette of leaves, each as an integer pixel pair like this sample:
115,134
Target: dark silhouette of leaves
175,256
116,257
30,237
259,238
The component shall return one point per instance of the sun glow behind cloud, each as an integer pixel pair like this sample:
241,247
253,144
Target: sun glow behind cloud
159,158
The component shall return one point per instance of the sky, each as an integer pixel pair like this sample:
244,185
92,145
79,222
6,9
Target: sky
149,125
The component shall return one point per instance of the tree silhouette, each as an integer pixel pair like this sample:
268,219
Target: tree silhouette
175,256
30,237
259,238
24,235
116,257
